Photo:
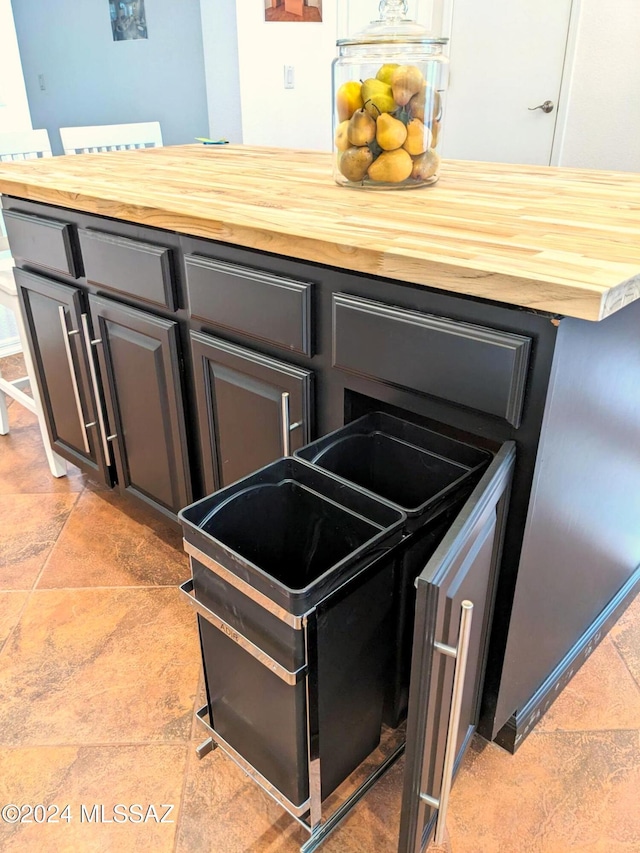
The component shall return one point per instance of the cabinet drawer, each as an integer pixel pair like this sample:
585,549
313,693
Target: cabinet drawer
254,302
142,270
42,241
471,365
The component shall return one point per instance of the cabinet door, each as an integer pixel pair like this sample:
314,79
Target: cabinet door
251,409
139,363
444,697
53,322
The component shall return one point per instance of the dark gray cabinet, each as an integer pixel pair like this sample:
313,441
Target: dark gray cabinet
54,315
139,364
252,409
455,595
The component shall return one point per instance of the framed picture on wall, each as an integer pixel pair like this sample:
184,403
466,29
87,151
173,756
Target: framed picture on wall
293,10
128,20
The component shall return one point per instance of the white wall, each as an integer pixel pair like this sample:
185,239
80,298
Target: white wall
220,43
602,118
272,115
14,107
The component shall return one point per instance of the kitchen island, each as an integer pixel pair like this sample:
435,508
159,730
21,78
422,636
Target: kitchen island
500,305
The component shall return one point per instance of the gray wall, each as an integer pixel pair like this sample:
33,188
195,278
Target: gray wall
91,79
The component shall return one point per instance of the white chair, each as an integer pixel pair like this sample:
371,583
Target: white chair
111,137
23,145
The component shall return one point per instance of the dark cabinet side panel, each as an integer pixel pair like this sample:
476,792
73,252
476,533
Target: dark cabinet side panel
475,366
141,373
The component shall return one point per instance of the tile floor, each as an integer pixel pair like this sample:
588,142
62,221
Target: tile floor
99,678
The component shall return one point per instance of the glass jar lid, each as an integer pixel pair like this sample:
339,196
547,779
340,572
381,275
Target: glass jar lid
394,27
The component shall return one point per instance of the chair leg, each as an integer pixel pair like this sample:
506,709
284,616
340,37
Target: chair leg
4,415
57,464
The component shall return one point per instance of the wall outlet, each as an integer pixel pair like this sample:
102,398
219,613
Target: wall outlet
289,77
41,83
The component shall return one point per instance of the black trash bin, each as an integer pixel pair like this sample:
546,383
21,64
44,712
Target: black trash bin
293,568
425,474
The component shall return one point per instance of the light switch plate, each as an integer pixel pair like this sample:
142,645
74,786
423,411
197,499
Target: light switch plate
289,77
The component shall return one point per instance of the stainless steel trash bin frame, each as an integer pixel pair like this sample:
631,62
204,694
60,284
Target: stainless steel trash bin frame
287,605
312,814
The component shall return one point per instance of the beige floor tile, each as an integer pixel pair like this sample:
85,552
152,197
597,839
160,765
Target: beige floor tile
561,793
92,776
11,604
23,464
103,546
99,666
601,696
30,526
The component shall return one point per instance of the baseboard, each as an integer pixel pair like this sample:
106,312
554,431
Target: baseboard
521,724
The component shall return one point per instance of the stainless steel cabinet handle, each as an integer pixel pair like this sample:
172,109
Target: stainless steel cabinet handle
460,653
288,677
96,388
74,379
287,426
546,107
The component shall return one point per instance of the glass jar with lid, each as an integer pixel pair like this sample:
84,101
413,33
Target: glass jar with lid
389,82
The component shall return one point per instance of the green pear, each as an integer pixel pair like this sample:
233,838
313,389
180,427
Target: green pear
377,97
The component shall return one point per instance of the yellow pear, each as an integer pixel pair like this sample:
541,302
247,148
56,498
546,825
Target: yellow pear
385,72
435,133
390,132
425,103
406,81
354,163
348,99
342,138
418,137
426,166
377,97
361,129
391,167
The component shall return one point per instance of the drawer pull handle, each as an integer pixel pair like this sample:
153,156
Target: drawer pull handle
287,426
244,643
96,388
66,334
460,653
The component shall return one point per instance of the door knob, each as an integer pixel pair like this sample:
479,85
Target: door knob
547,107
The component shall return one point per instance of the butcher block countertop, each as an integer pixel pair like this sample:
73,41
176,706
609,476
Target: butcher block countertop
563,241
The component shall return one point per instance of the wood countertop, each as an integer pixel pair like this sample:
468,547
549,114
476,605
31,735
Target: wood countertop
564,241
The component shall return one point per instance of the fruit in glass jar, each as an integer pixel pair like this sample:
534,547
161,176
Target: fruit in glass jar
377,97
361,128
355,162
425,166
406,81
348,99
391,133
342,136
435,133
427,102
385,72
391,167
418,137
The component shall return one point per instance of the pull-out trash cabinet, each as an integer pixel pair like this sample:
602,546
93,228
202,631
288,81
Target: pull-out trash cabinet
425,474
293,584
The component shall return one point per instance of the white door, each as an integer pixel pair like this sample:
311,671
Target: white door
506,57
